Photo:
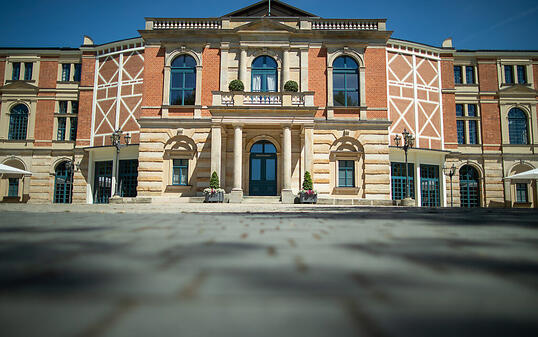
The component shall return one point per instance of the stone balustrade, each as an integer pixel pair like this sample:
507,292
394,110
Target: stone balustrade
277,99
186,23
344,24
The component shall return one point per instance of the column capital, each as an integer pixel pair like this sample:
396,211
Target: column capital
238,125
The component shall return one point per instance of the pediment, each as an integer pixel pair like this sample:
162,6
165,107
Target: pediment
19,86
277,8
517,89
265,25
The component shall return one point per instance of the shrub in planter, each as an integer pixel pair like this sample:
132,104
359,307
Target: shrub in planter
214,193
308,195
236,85
291,86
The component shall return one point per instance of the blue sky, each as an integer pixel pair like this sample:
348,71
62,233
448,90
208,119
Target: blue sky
472,24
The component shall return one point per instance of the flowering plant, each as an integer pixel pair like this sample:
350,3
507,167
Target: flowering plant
210,190
214,185
309,192
308,185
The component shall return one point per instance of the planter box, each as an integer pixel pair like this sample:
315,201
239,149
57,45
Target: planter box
214,197
307,198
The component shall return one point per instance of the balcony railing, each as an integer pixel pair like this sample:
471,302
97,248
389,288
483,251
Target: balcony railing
186,23
344,24
276,99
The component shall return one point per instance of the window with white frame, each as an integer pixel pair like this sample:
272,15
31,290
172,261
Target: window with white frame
464,74
70,72
468,123
66,120
515,74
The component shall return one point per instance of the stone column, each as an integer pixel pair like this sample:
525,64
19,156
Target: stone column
308,148
286,194
243,68
285,67
224,66
216,149
236,196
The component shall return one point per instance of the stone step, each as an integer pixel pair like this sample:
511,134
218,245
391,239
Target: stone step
261,199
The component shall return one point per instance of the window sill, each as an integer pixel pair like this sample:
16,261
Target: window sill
68,82
345,190
27,81
177,188
65,114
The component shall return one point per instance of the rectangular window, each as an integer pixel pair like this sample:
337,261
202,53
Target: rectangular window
61,128
16,74
461,132
399,181
28,67
66,72
74,107
13,190
346,173
521,75
458,79
429,186
62,107
471,110
73,128
78,68
508,74
473,132
521,193
180,171
469,74
459,110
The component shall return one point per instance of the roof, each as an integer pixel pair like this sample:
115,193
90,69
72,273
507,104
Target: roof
277,8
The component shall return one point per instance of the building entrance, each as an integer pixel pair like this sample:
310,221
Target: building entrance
263,162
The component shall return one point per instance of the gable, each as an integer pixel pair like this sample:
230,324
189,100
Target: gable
18,86
517,89
278,8
265,25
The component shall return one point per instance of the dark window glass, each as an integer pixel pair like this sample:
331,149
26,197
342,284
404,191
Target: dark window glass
521,75
508,74
18,122
461,132
66,72
61,128
13,189
517,126
180,171
469,187
469,74
345,82
73,128
74,107
63,185
457,75
521,193
128,174
399,181
471,110
62,107
264,74
28,67
78,69
429,186
346,173
16,74
459,110
183,81
473,132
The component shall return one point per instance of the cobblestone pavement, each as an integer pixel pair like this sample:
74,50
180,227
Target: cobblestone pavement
276,271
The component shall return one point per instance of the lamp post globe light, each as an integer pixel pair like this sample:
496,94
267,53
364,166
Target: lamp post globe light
408,140
450,171
116,141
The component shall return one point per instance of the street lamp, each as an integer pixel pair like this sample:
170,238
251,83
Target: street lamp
408,141
116,141
450,171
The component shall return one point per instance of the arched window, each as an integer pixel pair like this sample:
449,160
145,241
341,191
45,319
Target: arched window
264,74
63,183
18,122
469,187
183,81
517,127
345,82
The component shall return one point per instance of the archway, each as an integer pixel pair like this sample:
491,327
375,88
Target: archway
469,187
63,183
263,168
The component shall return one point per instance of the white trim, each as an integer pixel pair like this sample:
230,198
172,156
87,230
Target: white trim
94,101
118,93
415,101
121,51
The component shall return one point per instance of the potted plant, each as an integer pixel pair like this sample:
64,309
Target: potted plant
214,193
291,86
308,195
236,85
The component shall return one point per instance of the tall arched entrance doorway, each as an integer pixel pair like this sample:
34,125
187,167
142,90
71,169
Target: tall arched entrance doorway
469,187
63,183
262,175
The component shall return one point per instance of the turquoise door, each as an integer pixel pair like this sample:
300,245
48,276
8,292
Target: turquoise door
103,182
429,186
63,183
262,169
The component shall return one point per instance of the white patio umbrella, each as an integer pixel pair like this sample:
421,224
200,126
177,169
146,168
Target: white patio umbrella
12,170
531,174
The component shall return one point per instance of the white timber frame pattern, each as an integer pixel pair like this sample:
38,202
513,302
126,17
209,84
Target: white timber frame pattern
414,95
111,97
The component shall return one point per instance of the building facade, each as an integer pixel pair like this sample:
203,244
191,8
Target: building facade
357,88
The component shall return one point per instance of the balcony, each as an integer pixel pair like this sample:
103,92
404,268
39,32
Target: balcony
263,99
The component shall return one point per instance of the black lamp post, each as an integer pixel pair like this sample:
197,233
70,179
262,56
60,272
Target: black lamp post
408,141
450,171
116,141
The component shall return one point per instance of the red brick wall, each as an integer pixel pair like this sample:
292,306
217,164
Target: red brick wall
44,122
449,101
48,73
317,77
85,101
487,76
491,120
376,79
2,71
153,80
210,74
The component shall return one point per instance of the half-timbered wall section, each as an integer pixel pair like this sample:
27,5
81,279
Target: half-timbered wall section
414,93
118,92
